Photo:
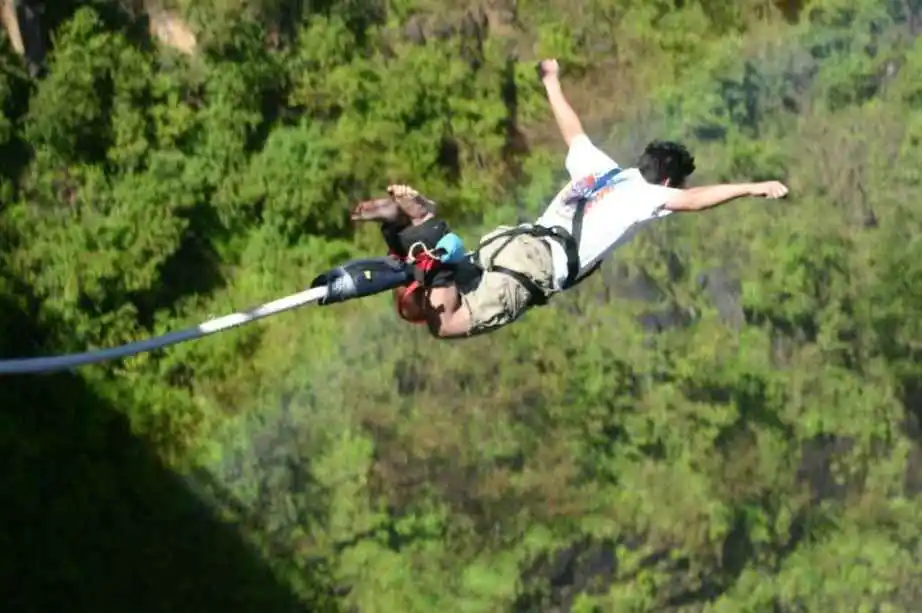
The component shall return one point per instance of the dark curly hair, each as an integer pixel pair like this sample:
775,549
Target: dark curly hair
663,160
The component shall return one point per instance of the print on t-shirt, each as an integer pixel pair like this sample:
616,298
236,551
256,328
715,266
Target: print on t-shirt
564,204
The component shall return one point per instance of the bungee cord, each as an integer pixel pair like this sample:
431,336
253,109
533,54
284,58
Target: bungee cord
49,364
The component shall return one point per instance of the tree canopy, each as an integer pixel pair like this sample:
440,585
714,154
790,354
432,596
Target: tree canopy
726,419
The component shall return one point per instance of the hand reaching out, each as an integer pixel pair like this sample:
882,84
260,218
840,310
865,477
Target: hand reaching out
770,189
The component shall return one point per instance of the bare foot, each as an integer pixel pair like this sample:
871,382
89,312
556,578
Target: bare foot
415,205
379,209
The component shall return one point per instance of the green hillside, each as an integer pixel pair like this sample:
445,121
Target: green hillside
726,420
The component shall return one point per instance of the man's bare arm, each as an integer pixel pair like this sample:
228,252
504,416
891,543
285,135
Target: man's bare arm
567,120
446,315
709,196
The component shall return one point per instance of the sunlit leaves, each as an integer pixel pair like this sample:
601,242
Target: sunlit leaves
729,468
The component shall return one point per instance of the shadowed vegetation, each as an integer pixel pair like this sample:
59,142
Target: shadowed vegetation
728,419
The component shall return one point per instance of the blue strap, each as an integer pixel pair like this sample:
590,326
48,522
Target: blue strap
599,182
603,181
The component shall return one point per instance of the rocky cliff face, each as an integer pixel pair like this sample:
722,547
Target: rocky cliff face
21,21
169,29
27,24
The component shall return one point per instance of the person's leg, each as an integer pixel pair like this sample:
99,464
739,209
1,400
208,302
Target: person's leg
451,314
403,206
499,298
497,301
401,215
405,217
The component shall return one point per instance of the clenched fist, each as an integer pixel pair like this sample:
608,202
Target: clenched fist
548,69
770,189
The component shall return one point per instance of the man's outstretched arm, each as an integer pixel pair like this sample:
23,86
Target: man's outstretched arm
709,196
567,120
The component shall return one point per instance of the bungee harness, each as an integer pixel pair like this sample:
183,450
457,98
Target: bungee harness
414,263
581,194
416,247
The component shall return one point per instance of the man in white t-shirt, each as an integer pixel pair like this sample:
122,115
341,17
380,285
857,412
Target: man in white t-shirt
600,209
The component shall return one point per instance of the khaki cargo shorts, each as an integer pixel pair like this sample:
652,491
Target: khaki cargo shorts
499,299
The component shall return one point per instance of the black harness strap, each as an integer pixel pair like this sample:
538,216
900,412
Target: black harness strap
537,297
569,242
573,263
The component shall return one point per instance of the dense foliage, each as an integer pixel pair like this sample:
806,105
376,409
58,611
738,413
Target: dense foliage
728,419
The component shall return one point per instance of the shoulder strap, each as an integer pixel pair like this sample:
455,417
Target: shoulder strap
579,215
568,240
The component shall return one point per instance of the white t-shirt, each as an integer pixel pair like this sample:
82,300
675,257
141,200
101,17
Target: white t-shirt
613,215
